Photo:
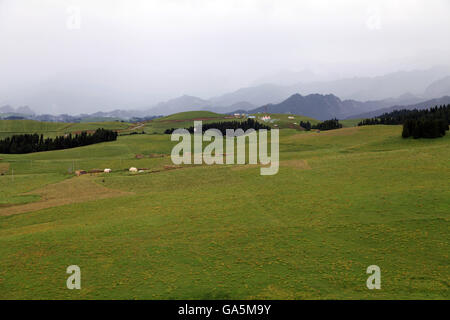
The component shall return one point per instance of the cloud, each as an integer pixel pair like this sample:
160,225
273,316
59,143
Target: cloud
373,21
134,53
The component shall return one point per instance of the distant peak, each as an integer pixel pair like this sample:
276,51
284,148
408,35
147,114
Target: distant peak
296,96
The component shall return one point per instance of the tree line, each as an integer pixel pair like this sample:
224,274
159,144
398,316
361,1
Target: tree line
223,126
326,125
305,125
27,143
427,123
424,128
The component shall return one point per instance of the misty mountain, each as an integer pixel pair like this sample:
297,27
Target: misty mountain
180,104
191,103
354,106
287,78
421,105
244,106
258,95
407,87
438,88
317,106
24,110
7,109
329,106
377,92
380,87
377,88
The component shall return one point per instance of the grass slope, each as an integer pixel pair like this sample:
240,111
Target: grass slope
52,129
342,200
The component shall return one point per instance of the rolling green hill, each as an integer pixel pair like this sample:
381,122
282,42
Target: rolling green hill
283,121
52,129
10,127
184,120
350,122
342,200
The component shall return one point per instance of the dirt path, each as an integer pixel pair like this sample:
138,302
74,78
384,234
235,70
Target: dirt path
73,190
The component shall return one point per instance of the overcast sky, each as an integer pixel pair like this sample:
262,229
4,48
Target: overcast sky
83,56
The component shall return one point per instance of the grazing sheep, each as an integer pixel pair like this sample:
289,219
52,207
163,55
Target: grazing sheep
107,170
133,169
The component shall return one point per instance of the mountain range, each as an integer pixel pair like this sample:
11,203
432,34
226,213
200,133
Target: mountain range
24,110
329,106
344,98
416,82
359,94
421,105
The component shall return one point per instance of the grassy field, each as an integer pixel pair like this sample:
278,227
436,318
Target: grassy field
342,200
156,126
185,120
350,122
53,129
282,121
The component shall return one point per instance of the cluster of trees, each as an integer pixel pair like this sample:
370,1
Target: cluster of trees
400,116
327,125
223,126
424,128
132,133
427,123
306,125
27,143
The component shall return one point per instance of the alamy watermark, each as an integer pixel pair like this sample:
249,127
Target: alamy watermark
73,21
374,280
74,280
214,152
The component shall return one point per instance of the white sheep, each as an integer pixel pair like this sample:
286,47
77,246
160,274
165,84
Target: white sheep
133,169
107,170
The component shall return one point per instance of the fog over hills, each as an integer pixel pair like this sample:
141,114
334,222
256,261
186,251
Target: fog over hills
421,105
75,56
380,87
25,110
399,88
356,96
438,88
329,106
358,88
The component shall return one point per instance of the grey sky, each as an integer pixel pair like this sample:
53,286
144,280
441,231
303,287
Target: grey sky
132,54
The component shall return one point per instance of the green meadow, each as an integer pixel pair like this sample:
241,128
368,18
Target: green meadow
342,200
53,129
